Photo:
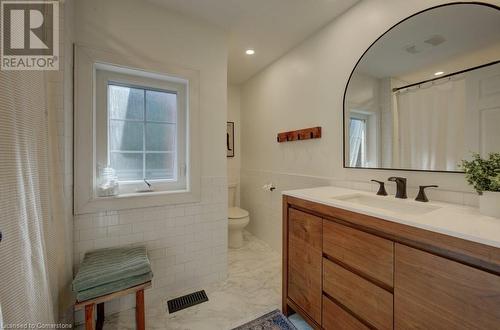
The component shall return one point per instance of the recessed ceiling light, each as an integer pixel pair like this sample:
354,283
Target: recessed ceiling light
438,73
249,51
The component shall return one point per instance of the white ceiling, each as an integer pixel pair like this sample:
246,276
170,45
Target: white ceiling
465,27
271,27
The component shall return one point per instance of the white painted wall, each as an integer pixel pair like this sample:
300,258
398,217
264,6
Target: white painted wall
233,114
187,243
303,89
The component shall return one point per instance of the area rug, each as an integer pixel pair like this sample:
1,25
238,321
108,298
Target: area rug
274,320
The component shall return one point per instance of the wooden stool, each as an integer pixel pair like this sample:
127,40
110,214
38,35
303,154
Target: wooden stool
99,301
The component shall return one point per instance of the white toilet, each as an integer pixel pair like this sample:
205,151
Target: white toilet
238,219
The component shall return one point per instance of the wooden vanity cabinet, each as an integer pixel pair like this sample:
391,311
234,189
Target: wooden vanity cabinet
344,270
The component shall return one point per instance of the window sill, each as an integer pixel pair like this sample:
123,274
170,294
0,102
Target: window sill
142,194
138,200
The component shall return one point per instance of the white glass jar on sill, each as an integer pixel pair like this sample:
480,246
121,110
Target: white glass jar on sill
108,183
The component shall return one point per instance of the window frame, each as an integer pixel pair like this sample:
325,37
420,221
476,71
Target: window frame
86,61
105,76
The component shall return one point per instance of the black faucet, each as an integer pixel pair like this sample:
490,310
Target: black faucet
400,185
422,197
381,189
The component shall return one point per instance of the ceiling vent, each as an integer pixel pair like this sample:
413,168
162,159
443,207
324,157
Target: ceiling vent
412,49
435,40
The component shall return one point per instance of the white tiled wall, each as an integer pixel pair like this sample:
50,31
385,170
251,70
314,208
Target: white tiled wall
186,243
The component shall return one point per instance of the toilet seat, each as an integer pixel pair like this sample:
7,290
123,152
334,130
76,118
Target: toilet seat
236,213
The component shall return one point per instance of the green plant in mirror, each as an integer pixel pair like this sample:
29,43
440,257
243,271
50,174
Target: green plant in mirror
483,174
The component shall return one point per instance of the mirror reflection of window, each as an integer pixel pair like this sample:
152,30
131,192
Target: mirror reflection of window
357,142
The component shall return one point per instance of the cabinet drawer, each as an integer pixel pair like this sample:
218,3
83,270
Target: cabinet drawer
369,254
368,301
304,262
335,317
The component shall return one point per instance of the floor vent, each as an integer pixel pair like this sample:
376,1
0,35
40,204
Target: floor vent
186,301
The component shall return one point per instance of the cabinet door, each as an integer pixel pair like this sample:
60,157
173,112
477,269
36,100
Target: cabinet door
304,262
432,292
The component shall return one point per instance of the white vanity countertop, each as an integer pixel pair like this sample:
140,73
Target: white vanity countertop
450,219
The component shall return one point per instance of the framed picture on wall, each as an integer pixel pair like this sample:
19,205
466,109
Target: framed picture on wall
230,139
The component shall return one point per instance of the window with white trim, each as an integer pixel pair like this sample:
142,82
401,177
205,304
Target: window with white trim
141,130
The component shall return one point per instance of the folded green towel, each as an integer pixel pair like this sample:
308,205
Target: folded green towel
104,266
113,287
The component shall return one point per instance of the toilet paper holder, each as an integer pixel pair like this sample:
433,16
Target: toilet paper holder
269,186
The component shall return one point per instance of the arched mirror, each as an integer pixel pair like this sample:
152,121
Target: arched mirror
427,92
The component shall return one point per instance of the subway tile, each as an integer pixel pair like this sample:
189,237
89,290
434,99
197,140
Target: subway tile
83,222
193,210
157,253
148,226
154,244
176,250
130,217
106,220
153,236
84,246
107,242
176,212
133,238
93,233
119,230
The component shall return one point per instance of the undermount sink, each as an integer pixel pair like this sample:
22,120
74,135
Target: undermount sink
388,203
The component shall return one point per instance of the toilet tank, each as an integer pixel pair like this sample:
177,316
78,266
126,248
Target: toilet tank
231,194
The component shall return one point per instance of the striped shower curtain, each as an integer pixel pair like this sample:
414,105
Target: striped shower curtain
25,286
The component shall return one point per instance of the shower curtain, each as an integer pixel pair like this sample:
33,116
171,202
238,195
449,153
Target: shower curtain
431,126
26,293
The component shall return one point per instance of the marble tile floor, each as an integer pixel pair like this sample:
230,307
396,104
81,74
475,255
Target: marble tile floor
253,288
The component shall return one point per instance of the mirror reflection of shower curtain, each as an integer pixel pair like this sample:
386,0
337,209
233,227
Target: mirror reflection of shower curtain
431,126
